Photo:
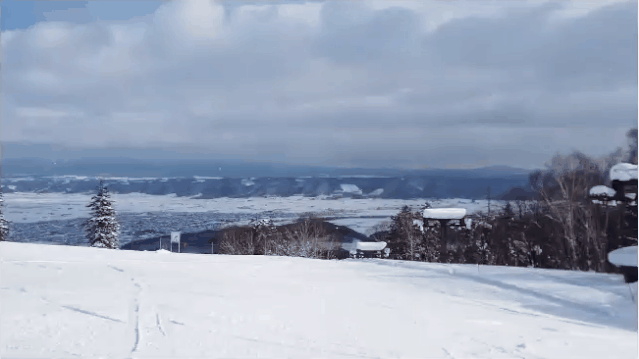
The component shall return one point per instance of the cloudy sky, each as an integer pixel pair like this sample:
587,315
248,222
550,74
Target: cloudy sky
347,83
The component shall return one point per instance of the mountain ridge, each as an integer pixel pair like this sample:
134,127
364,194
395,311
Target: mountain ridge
131,167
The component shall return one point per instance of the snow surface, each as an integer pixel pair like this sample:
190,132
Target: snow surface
364,246
350,188
468,222
623,172
247,182
377,192
63,301
626,256
370,246
444,213
602,191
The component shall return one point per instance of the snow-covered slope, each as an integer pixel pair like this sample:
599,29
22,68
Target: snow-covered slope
60,301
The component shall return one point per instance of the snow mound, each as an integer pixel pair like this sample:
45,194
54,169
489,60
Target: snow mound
626,256
377,192
247,182
623,172
162,251
350,188
602,191
444,213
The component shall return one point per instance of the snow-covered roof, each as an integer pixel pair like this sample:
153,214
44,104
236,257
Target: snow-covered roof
371,246
444,213
626,256
364,246
623,172
602,191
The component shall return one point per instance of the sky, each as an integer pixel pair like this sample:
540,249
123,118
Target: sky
407,84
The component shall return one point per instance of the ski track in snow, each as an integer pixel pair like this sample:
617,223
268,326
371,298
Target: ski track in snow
90,313
159,324
134,317
69,307
116,268
448,353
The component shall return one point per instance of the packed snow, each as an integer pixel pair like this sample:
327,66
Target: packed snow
62,301
626,256
444,213
623,172
602,191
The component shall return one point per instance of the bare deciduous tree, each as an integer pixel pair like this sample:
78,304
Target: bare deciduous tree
4,225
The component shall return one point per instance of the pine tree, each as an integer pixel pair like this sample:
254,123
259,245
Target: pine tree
431,244
405,238
103,229
4,225
508,210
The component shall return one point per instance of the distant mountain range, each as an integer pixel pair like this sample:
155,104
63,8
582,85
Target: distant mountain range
129,167
212,179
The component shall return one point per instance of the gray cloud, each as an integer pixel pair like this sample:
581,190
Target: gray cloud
345,83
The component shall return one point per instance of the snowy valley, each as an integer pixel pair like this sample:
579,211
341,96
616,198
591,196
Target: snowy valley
58,217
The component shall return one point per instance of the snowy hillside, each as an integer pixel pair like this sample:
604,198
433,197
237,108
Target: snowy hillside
61,301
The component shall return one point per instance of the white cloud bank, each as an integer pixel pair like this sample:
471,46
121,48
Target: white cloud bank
346,83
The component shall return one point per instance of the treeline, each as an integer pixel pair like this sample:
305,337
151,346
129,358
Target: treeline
562,228
309,237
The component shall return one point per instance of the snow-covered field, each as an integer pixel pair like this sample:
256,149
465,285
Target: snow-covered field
63,301
26,207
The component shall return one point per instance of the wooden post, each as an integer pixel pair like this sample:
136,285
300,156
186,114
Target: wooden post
443,244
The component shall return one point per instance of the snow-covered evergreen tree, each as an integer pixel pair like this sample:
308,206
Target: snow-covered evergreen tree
405,238
4,225
103,229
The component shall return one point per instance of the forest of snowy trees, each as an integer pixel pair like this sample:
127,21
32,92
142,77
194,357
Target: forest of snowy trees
562,228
